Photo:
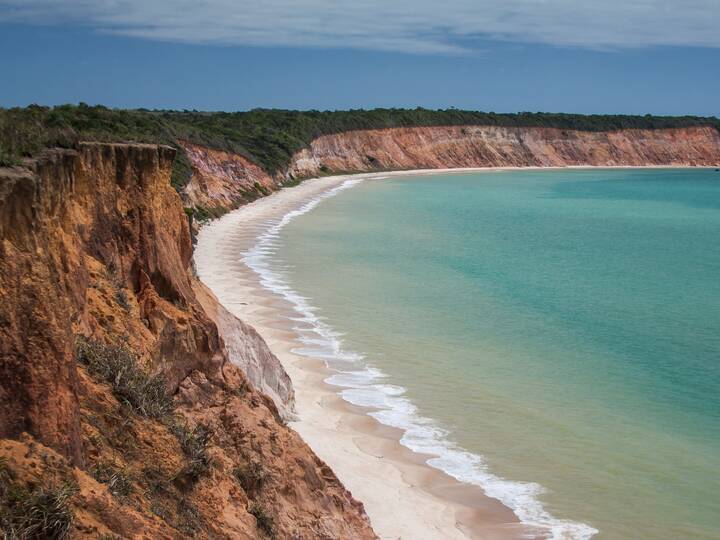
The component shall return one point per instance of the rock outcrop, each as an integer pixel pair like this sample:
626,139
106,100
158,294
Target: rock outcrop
95,248
223,180
247,350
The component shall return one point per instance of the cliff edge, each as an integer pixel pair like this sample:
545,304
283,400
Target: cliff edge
122,413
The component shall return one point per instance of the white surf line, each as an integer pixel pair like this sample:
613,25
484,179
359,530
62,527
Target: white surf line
365,387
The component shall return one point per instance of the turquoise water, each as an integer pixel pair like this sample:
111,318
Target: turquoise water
562,327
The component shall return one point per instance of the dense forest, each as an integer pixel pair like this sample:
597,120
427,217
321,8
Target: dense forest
269,137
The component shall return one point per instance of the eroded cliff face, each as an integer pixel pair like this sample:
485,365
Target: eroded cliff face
478,146
223,181
247,350
94,243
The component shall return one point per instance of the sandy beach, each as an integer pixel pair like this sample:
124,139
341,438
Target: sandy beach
404,497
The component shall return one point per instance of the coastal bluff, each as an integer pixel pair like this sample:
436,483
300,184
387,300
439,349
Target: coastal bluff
123,409
223,180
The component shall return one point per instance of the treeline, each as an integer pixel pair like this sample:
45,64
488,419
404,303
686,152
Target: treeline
268,137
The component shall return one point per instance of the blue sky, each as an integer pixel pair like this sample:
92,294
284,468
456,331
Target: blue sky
649,56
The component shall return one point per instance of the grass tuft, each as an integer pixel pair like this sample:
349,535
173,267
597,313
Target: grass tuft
251,477
194,444
265,521
117,365
33,514
118,481
122,299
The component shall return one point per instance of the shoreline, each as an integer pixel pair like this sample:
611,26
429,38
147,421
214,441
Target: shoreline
366,455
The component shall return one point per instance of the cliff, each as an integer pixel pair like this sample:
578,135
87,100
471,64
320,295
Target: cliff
122,410
478,146
133,403
233,179
223,180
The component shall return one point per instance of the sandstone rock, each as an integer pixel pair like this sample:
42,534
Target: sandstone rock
94,242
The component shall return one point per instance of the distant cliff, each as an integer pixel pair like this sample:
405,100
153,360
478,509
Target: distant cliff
223,180
123,410
270,139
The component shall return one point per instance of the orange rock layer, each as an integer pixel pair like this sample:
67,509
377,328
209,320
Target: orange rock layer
95,243
227,180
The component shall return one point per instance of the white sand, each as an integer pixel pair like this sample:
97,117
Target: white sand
403,497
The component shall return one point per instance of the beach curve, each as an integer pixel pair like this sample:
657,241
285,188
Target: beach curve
364,429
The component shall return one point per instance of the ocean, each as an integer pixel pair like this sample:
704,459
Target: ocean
552,336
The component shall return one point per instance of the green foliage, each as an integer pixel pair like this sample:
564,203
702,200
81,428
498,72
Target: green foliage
118,480
203,214
265,521
42,512
268,137
194,444
117,365
7,159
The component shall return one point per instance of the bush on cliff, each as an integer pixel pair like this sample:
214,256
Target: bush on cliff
265,521
194,443
118,480
251,476
117,365
40,512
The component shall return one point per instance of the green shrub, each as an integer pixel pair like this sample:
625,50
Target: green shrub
268,137
194,444
117,365
118,481
265,521
39,513
9,160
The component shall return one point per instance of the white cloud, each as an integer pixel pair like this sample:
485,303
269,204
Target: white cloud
415,26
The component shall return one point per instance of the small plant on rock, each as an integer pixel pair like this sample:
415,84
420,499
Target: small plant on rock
194,444
265,521
117,365
251,476
42,512
118,481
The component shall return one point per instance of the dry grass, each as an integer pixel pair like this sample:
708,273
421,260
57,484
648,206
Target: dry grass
251,476
33,513
118,481
194,444
117,365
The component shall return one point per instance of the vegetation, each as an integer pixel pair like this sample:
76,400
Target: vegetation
265,521
267,137
194,444
118,481
251,476
180,514
117,365
42,512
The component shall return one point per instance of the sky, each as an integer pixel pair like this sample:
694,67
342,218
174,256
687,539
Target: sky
581,56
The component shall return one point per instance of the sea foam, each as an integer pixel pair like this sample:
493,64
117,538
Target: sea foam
368,387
